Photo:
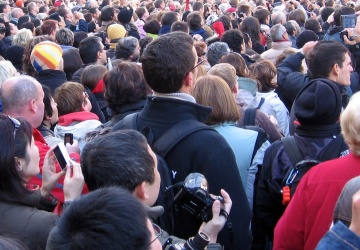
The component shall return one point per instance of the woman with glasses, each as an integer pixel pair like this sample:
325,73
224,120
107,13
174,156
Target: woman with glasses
25,210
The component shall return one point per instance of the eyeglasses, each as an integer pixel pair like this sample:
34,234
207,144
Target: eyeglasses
197,65
16,124
158,232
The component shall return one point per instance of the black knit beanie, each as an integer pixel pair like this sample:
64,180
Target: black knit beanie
125,15
318,103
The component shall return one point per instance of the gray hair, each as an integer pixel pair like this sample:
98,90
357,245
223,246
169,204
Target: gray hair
216,51
277,17
7,70
277,32
64,36
23,89
125,47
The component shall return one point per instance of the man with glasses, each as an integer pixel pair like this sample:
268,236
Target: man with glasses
169,64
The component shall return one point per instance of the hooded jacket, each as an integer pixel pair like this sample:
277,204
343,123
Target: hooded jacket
333,34
77,123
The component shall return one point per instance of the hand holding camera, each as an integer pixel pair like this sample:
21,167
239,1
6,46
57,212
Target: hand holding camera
73,182
49,175
214,226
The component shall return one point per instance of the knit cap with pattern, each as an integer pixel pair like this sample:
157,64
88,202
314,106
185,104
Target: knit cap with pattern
46,55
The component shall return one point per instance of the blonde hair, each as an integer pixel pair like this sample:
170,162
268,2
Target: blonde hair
22,37
214,92
350,124
226,71
7,70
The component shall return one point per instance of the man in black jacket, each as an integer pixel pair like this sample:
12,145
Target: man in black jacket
169,66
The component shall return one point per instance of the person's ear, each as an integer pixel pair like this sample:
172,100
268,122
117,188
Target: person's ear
235,89
32,105
19,164
140,191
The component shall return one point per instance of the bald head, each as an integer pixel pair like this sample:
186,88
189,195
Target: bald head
22,96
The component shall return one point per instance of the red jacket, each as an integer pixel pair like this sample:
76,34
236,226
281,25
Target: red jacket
36,180
309,215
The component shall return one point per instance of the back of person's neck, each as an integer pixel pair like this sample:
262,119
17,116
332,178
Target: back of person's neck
178,95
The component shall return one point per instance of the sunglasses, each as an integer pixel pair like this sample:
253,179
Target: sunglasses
16,124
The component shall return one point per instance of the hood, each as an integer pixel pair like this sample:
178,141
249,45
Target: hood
197,32
165,29
67,120
267,95
334,29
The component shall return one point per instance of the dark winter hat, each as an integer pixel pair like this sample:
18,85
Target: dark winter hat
318,103
125,15
15,54
55,16
304,37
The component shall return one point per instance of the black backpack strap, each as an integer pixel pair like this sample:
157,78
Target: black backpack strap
175,134
292,149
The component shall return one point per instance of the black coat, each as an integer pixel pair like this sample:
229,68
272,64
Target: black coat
205,152
51,78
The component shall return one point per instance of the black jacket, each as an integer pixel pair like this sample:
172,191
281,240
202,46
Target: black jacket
52,78
205,152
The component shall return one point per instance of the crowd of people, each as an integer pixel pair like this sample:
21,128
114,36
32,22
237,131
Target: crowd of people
224,124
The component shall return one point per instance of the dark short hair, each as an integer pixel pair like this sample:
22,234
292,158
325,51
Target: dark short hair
72,62
326,54
262,15
107,14
180,26
194,20
197,6
124,84
167,60
326,12
234,39
152,27
108,218
158,3
169,18
48,111
140,12
78,37
89,49
312,24
91,75
119,158
11,181
125,47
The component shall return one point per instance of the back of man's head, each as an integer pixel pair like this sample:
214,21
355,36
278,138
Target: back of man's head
262,15
169,18
198,6
16,93
120,159
108,218
216,51
342,11
322,58
64,36
234,39
167,61
326,12
180,26
125,47
277,32
89,49
278,17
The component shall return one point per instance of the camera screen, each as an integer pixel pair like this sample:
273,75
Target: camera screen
348,21
59,157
